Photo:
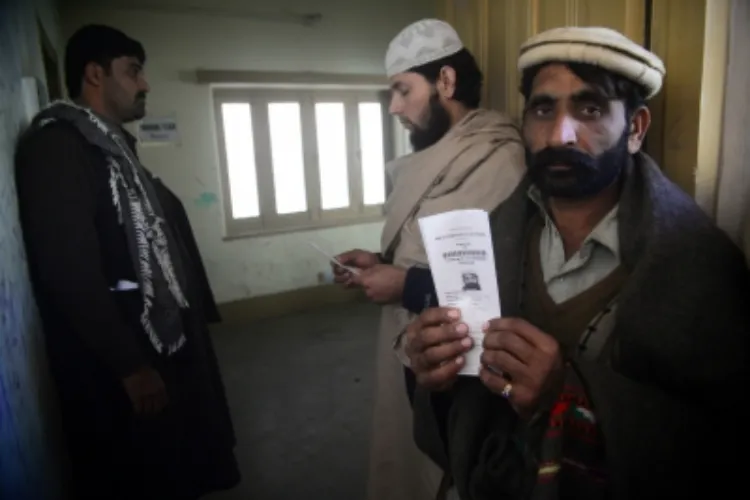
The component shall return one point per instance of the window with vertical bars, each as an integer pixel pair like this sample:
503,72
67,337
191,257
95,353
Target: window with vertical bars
299,158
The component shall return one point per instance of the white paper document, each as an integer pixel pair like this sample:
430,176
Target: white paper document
459,250
334,260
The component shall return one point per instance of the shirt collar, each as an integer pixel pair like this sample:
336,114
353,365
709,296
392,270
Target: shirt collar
606,233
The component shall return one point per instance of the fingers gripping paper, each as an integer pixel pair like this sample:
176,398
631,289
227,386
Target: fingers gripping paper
459,250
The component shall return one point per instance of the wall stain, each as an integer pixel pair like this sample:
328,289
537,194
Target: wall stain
206,200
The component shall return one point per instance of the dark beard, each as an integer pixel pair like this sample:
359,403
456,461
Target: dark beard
438,124
588,175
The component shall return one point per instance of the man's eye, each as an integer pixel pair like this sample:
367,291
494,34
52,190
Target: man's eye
400,92
541,110
591,111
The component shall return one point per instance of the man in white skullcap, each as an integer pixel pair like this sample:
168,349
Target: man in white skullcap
465,157
619,367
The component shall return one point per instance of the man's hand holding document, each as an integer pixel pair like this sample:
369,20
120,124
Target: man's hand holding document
462,262
466,335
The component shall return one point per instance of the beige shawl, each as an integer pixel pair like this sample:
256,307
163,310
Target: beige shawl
478,164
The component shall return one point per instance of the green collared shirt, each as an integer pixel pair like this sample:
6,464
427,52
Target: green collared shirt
595,260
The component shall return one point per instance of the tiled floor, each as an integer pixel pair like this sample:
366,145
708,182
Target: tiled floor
301,391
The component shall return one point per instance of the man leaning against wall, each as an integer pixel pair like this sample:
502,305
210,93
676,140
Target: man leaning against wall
122,291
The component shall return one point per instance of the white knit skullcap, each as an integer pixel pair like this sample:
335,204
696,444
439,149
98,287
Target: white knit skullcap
420,43
602,47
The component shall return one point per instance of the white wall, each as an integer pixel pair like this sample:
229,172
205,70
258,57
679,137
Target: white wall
29,432
352,38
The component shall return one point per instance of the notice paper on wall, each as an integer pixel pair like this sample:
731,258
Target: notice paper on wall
459,250
158,130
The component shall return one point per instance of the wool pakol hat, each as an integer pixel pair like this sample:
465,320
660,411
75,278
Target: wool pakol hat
597,46
421,43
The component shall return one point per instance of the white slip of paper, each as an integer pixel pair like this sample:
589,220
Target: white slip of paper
333,259
459,250
474,319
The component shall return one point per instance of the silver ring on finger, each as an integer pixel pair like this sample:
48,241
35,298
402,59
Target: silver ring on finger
507,390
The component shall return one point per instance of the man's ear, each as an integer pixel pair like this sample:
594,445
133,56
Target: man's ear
446,82
93,74
639,124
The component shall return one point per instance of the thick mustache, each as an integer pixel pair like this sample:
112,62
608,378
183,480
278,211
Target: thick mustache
573,158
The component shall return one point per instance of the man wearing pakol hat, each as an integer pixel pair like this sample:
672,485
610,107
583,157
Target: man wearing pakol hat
620,366
465,157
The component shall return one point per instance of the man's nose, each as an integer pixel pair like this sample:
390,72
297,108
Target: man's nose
564,132
395,108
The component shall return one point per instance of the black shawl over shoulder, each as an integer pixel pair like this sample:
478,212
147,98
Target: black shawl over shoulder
668,391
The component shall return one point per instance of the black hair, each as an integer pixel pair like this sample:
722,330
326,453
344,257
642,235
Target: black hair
611,85
98,44
468,76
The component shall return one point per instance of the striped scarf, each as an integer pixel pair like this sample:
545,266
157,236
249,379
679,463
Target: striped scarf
152,246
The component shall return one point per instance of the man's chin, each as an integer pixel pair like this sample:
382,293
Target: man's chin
138,114
560,191
569,188
423,139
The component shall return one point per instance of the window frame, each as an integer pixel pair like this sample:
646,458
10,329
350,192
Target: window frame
269,222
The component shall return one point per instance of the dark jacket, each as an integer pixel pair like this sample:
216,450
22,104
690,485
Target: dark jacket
668,388
77,252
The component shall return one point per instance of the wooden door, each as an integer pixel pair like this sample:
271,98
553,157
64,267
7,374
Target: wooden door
689,35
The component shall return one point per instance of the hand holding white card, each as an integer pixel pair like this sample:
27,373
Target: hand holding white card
333,260
462,262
